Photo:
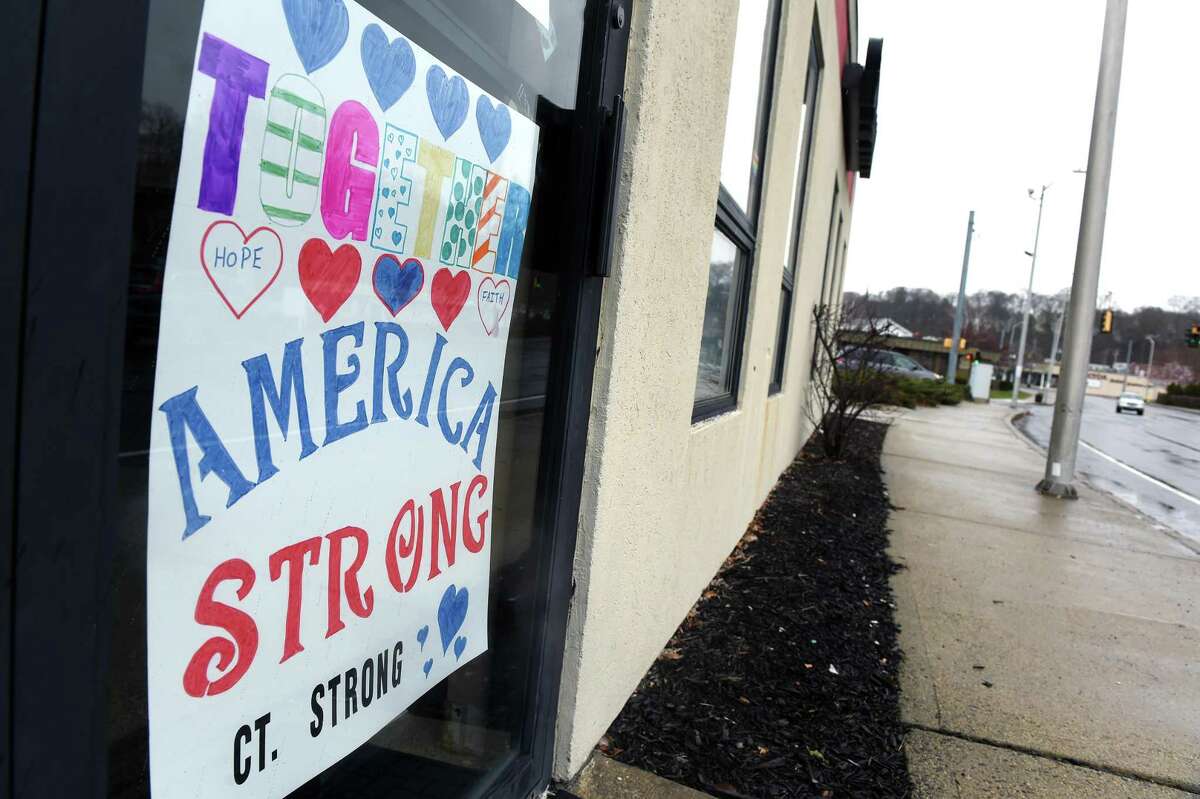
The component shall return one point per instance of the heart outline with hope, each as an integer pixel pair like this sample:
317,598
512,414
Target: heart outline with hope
448,100
245,240
319,29
448,293
451,613
397,284
390,66
328,277
497,286
495,126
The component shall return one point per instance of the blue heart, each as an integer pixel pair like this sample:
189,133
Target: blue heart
392,215
390,67
422,634
495,126
396,284
452,612
428,665
460,644
448,100
395,235
319,29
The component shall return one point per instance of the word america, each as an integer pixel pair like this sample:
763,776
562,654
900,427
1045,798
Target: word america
187,422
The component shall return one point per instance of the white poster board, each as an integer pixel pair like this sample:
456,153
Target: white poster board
344,249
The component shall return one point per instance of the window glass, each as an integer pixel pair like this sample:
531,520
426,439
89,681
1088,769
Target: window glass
715,374
796,208
808,113
740,160
467,729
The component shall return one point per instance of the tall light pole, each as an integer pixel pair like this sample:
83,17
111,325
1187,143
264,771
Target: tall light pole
952,366
1068,405
1037,231
1150,368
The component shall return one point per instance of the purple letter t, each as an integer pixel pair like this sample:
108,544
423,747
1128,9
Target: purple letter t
238,76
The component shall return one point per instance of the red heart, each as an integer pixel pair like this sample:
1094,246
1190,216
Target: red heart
448,292
328,278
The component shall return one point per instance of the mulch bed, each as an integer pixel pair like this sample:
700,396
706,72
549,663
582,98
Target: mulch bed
783,679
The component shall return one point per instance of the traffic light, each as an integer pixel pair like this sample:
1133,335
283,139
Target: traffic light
962,343
1193,339
1106,320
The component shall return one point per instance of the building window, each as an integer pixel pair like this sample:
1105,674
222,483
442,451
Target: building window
732,257
812,90
831,238
831,248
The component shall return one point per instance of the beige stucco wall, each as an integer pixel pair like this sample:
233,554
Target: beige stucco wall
664,501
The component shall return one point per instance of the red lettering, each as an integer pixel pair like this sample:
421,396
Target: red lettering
293,556
472,543
238,624
439,536
398,549
361,603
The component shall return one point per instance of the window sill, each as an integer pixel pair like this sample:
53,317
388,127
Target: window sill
713,407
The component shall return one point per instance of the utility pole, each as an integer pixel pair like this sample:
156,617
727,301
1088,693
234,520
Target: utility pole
1150,368
1068,405
1037,231
1128,366
952,367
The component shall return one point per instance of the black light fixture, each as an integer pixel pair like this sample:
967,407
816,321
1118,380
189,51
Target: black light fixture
860,109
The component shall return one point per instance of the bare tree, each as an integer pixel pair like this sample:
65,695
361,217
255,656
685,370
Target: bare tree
847,379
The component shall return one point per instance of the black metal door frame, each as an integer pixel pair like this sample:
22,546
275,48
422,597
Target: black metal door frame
66,198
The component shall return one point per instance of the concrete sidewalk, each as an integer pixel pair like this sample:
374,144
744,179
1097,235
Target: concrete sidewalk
1051,648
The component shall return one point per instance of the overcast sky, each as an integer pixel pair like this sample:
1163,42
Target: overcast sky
980,101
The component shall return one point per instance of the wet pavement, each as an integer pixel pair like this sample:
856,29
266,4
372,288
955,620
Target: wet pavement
1151,462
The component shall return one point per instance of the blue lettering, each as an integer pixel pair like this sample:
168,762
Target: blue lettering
458,364
336,382
427,394
480,424
260,384
184,415
401,405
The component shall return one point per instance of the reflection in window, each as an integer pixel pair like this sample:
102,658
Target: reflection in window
715,376
796,211
740,161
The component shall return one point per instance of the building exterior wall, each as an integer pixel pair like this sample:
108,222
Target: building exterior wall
665,500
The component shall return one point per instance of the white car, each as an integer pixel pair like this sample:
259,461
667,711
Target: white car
1129,401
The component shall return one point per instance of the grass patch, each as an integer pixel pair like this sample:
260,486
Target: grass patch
1007,394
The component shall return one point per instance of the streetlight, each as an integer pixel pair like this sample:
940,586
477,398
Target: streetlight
1150,368
1037,231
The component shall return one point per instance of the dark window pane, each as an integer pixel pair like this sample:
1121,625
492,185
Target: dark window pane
454,739
781,338
714,377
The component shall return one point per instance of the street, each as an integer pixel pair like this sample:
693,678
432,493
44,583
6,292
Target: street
1151,462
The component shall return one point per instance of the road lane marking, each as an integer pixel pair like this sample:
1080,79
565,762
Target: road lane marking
1143,475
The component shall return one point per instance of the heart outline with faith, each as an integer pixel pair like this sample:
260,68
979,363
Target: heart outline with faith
245,240
497,286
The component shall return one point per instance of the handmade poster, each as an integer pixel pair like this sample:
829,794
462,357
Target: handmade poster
345,245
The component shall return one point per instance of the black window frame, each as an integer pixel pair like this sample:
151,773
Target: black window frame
66,356
814,72
835,216
741,226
